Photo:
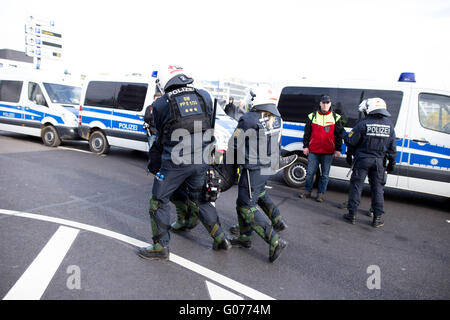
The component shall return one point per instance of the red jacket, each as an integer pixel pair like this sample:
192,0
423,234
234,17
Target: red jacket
320,134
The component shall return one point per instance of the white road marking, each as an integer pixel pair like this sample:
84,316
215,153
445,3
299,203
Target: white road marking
212,275
33,282
218,293
72,149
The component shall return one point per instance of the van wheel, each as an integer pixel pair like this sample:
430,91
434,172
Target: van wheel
50,136
295,174
98,143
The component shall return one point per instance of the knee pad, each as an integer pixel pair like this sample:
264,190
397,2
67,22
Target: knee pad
181,207
247,214
155,221
154,205
193,207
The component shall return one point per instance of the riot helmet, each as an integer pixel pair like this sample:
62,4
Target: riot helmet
377,106
262,98
172,76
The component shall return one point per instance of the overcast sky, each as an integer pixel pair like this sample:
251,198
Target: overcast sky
255,40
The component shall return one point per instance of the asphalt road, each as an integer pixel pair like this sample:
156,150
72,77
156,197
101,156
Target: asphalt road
327,258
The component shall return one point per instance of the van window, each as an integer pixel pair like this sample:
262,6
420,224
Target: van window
297,102
392,98
35,94
100,94
131,96
62,93
434,112
10,90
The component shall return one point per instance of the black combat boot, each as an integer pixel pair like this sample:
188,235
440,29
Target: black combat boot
242,241
350,217
280,225
276,248
223,244
377,222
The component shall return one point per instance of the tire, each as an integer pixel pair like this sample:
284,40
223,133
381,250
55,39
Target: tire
50,136
98,143
295,174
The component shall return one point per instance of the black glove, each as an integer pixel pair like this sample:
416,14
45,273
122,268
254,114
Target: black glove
390,166
349,159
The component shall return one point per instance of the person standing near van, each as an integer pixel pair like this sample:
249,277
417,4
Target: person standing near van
230,108
180,110
375,150
321,141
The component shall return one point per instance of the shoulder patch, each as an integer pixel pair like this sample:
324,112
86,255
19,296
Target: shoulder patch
236,132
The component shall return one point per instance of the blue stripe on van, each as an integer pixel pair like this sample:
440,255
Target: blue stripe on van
96,110
10,115
87,120
426,160
429,148
38,115
12,112
11,107
128,116
300,127
285,140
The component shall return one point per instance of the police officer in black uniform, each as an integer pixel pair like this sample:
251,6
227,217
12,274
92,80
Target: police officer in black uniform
373,143
264,121
181,116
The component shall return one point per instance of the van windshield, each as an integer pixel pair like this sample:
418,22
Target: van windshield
63,94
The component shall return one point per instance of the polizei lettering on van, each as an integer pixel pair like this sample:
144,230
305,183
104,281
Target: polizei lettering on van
128,126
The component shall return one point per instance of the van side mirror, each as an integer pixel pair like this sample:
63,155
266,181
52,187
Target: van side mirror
40,100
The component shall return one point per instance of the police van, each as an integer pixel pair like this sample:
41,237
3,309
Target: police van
420,114
40,104
112,114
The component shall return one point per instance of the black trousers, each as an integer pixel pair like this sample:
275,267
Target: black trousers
373,169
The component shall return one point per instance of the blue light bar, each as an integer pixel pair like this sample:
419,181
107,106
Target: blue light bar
154,74
407,77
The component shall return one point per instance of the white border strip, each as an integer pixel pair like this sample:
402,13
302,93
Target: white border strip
72,149
35,280
225,281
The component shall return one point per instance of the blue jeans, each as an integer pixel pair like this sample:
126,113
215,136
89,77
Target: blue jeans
314,159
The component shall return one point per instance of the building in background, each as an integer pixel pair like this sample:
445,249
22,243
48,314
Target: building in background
15,59
223,89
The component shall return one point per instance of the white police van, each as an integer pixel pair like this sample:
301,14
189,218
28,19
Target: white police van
421,115
112,114
40,104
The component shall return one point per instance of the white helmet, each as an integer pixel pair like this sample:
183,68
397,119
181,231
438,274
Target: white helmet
262,98
172,75
377,105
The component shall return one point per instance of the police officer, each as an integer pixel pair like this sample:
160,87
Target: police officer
186,219
181,116
373,143
262,123
349,153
